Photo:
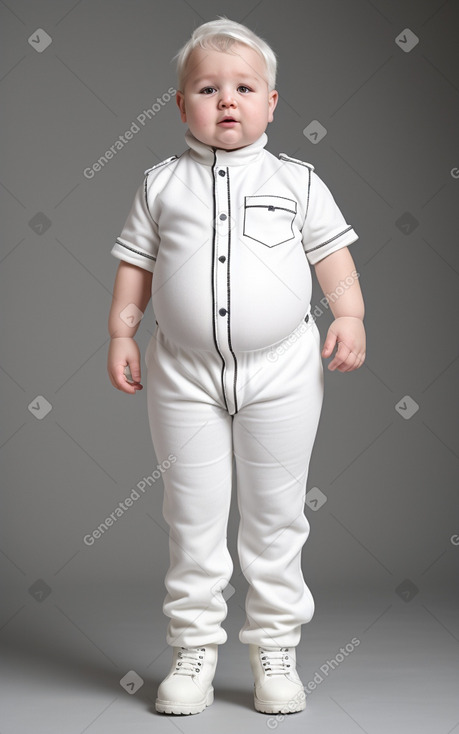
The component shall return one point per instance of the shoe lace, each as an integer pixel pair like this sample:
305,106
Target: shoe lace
276,661
189,660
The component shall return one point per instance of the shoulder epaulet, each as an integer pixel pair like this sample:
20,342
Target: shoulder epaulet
163,163
285,157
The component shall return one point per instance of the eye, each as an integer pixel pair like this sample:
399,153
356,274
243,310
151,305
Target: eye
242,88
208,90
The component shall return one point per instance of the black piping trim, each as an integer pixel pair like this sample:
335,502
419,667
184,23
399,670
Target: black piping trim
307,201
145,194
285,157
163,163
309,192
270,206
214,325
330,240
271,196
277,243
133,249
147,173
228,294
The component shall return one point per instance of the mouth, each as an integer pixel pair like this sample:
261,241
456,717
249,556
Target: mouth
228,121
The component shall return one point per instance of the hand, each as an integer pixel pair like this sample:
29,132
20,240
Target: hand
348,332
124,351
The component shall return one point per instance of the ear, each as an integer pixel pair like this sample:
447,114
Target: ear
272,102
180,99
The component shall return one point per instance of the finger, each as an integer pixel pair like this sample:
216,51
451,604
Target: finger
340,356
349,363
122,382
114,380
129,374
359,360
329,344
129,387
135,371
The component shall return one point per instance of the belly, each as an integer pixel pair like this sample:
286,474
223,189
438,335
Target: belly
268,291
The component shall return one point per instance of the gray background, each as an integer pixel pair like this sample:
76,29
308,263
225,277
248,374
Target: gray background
382,557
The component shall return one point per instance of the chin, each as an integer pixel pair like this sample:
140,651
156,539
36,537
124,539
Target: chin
232,146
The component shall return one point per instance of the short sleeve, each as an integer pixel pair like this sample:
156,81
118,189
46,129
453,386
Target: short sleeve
325,229
139,239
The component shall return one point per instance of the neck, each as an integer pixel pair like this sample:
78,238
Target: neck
207,155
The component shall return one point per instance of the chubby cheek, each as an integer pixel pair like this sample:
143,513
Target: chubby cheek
189,111
198,116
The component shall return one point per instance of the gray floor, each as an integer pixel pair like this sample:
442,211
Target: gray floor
63,659
386,456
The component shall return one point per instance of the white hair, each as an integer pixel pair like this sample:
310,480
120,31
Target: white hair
220,35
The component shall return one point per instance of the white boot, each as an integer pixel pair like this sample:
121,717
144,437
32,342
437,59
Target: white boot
277,688
188,687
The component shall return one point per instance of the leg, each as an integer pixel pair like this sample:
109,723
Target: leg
273,437
186,420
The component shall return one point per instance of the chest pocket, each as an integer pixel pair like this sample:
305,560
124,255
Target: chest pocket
269,219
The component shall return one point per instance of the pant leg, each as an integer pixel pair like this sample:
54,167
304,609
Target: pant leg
187,420
273,436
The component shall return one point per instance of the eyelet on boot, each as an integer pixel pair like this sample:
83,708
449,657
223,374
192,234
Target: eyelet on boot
188,690
277,688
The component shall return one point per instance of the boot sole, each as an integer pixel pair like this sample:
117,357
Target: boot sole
278,707
175,707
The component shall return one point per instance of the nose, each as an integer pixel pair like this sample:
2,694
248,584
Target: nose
226,99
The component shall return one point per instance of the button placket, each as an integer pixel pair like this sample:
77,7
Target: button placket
221,252
223,284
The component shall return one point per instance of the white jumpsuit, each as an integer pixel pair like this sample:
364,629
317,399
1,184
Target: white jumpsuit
234,369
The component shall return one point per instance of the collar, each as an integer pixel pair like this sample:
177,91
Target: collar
205,154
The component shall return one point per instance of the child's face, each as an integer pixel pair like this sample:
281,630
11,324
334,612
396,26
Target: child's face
226,101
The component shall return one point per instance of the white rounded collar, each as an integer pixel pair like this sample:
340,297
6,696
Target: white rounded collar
205,154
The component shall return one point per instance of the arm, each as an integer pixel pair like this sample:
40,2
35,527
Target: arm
338,280
132,286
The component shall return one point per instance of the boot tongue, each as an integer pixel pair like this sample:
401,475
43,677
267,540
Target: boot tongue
190,660
276,659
